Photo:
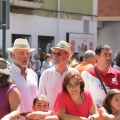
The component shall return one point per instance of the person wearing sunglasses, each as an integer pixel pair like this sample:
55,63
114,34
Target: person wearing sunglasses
51,79
78,104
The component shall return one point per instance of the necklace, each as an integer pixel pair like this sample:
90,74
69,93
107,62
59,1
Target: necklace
81,97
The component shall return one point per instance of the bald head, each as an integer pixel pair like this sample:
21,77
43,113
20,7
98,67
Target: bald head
89,56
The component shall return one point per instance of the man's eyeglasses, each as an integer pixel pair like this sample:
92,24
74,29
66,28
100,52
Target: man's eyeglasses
76,85
58,53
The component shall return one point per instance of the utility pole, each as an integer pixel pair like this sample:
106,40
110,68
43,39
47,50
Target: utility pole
3,28
4,22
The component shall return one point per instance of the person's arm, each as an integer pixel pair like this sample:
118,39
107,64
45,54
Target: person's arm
103,115
38,64
93,109
53,117
62,115
38,114
14,102
93,112
42,84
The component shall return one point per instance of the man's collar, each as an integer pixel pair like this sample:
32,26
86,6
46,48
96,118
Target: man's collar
17,69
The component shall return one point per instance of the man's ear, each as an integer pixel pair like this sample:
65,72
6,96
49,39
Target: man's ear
13,55
97,57
68,56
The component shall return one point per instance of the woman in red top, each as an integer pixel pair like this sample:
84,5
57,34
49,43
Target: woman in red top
73,103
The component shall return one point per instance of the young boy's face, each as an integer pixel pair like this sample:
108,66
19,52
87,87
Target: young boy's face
41,105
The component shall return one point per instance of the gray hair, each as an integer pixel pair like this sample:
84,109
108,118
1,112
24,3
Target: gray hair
88,54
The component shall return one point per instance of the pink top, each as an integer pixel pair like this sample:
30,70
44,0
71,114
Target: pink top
4,102
65,102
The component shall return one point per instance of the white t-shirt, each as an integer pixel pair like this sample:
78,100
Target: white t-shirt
51,83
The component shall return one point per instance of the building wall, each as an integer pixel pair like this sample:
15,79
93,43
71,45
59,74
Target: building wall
110,34
108,8
48,21
36,26
50,8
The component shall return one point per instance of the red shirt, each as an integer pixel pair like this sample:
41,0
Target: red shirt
92,84
65,102
111,79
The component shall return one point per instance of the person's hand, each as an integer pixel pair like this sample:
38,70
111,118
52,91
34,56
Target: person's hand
50,112
83,118
89,117
103,115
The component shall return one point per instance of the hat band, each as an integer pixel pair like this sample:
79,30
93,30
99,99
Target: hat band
3,67
21,46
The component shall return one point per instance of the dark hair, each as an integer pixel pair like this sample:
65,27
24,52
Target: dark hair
100,48
40,97
75,54
73,75
108,98
117,58
5,80
81,58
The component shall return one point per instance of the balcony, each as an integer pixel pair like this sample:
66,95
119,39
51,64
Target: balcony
27,3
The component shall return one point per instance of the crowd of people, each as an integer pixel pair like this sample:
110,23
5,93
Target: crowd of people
65,89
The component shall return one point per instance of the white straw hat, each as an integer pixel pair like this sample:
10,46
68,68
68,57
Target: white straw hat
63,45
3,67
21,43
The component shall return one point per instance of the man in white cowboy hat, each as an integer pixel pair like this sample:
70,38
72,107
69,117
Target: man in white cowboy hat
25,78
51,79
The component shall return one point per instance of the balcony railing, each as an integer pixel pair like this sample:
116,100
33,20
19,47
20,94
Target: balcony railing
27,3
39,1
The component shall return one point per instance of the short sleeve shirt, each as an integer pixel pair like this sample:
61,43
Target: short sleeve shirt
64,101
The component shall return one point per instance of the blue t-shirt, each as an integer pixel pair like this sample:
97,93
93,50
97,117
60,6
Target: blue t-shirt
48,65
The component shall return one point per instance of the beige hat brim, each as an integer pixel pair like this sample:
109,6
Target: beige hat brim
11,49
68,51
4,71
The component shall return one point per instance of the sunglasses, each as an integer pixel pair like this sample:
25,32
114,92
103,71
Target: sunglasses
57,53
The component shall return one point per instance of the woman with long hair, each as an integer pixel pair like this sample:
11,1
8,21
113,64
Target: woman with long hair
10,96
111,106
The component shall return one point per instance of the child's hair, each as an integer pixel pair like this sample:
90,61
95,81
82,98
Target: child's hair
108,98
40,97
